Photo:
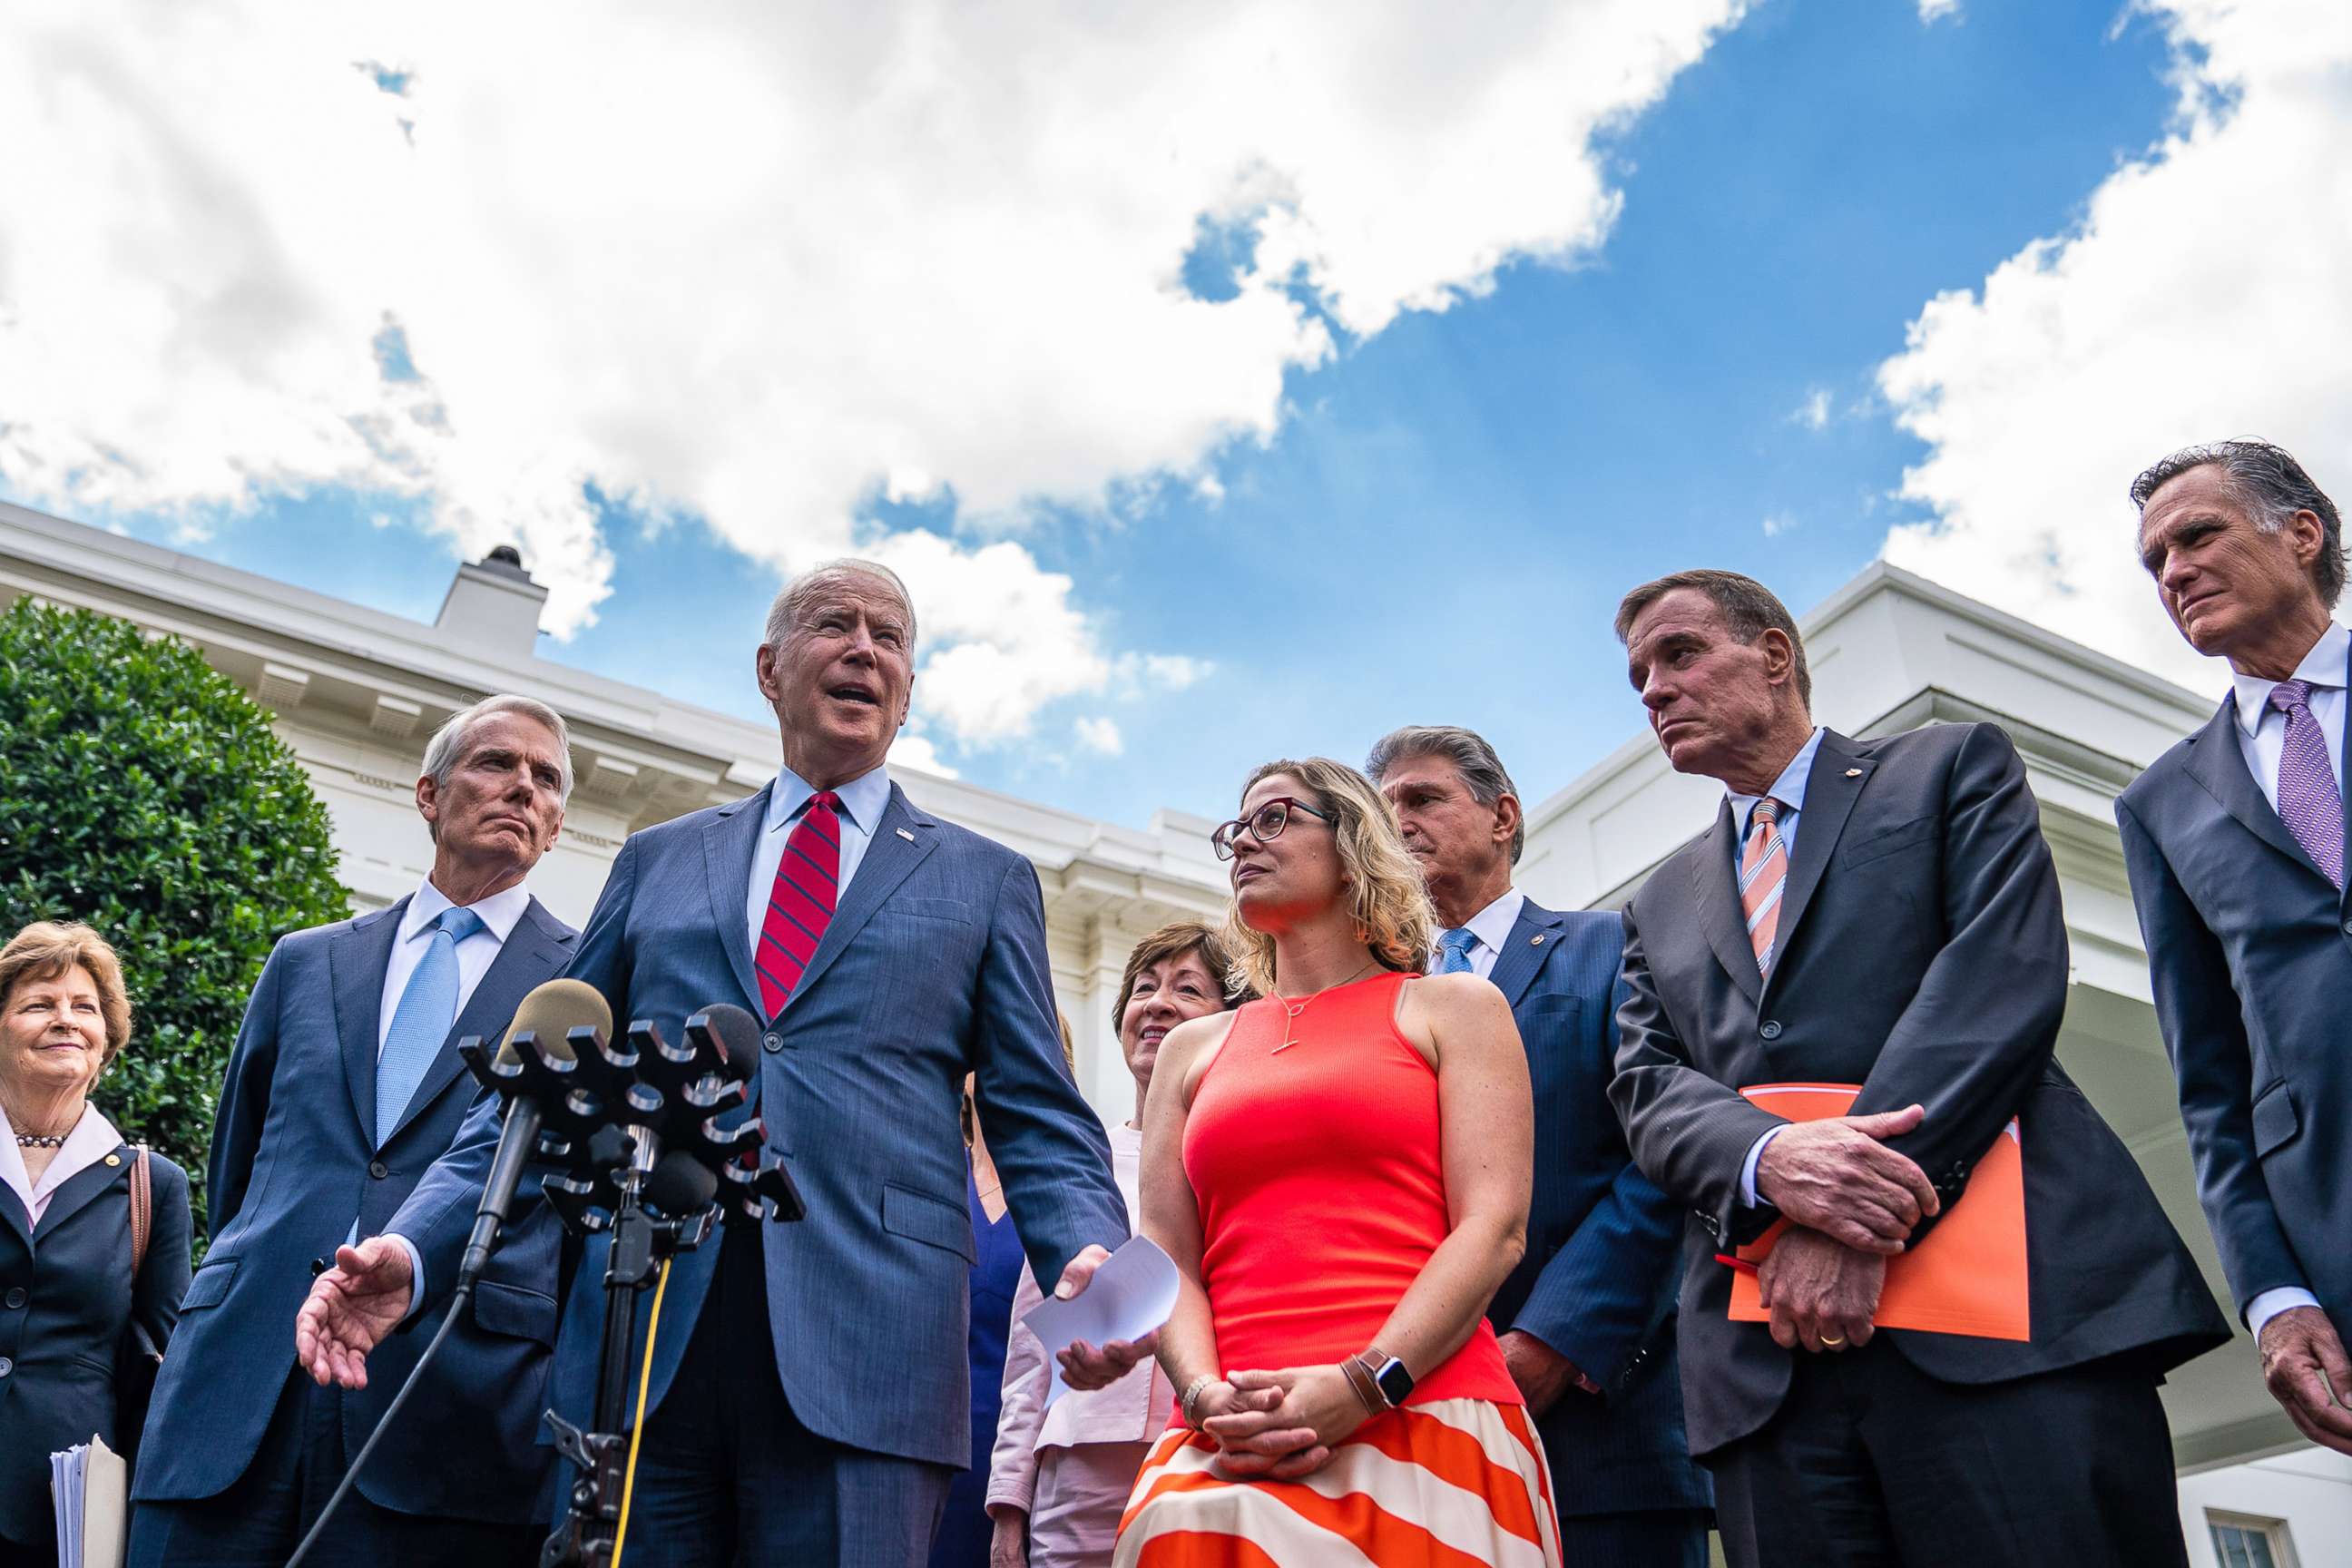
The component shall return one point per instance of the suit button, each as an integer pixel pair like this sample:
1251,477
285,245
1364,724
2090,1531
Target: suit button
773,1040
2348,928
375,1169
16,1298
1769,1028
6,1367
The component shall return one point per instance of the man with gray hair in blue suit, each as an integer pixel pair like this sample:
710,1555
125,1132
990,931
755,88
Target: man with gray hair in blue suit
344,1086
2234,839
807,1400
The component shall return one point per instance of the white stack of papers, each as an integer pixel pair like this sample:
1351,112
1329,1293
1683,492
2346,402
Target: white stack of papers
1129,1296
91,1486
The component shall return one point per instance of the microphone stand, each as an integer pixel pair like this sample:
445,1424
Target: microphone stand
585,1535
616,1111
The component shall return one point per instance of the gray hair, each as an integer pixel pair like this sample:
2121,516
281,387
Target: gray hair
2270,484
1482,770
793,601
1749,609
448,742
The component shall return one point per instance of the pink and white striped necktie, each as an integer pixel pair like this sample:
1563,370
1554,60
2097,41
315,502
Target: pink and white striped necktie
1763,872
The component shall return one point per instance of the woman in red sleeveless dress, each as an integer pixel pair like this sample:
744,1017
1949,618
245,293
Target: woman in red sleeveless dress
1341,1172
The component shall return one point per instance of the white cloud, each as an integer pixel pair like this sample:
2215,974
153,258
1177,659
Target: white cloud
1933,11
758,263
1096,733
2204,297
1778,523
1813,412
915,752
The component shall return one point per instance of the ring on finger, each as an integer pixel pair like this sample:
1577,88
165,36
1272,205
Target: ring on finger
1833,1338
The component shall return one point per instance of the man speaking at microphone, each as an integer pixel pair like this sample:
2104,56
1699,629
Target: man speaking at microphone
344,1086
808,1398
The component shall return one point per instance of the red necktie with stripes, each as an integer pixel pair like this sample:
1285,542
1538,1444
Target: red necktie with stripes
801,904
1763,872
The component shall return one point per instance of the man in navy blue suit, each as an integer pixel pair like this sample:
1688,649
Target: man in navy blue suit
1587,1318
343,1088
2235,840
809,1398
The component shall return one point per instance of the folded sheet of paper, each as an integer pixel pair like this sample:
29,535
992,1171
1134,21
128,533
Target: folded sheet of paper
91,1486
1129,1296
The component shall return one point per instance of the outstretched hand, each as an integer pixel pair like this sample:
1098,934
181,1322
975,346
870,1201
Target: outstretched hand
350,1308
2306,1368
1086,1366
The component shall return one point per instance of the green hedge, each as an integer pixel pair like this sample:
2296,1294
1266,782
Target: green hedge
144,793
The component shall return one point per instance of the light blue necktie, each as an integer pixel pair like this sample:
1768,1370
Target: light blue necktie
1453,951
428,1006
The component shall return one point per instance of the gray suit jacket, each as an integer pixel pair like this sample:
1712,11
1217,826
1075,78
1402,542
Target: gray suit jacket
1922,954
2250,952
934,965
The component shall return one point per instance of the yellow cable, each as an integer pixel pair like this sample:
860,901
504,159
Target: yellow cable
637,1428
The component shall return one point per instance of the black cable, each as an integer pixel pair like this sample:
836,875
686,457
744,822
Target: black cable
459,1298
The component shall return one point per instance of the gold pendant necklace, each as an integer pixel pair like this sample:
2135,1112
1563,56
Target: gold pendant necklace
1292,1007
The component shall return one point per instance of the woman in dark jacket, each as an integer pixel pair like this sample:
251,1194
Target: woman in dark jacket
68,1297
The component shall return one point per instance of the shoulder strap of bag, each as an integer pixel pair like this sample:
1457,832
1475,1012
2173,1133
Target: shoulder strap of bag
142,1208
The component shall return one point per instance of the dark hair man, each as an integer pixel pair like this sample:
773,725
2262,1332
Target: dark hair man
344,1086
808,1401
2234,839
1882,914
1587,1318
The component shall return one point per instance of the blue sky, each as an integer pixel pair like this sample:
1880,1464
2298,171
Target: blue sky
1440,520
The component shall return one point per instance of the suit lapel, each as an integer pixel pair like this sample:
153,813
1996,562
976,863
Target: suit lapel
1831,789
729,840
1523,955
80,1187
533,950
2218,762
356,958
12,1213
904,837
1714,883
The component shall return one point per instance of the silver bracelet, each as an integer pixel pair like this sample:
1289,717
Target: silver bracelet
1191,1393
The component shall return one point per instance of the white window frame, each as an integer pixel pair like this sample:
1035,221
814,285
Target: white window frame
2274,1532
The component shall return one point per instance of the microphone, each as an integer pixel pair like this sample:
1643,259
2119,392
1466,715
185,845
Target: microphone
736,1034
548,1016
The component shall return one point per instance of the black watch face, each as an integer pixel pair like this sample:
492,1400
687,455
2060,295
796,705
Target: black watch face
1395,1381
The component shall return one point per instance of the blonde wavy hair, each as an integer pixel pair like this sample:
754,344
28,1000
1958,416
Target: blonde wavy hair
1382,885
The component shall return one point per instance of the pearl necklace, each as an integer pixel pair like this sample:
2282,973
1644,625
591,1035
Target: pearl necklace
38,1140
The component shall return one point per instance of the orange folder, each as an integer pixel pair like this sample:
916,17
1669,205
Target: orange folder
1969,1276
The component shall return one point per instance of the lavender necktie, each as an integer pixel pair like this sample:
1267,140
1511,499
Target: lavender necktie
2308,799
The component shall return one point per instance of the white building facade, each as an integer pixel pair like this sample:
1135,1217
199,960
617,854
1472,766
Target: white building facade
357,693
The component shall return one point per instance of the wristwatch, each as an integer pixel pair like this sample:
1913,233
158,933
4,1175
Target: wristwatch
1394,1383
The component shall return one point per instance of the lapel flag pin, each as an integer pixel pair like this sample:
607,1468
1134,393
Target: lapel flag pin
1536,941
907,835
1853,773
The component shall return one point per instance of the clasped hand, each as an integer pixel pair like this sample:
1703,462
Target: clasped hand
1821,1294
1837,1177
1281,1425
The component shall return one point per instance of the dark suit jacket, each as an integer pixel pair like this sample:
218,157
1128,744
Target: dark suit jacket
934,965
294,1162
2249,951
67,1301
1597,1281
1921,954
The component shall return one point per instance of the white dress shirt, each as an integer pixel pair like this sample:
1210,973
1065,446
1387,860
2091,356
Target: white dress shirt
499,913
2262,739
1789,789
862,802
1491,928
93,1138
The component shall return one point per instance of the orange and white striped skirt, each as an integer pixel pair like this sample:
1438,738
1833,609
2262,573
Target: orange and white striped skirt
1457,1482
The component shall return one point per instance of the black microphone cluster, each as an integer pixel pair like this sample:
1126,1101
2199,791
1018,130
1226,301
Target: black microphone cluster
609,1107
